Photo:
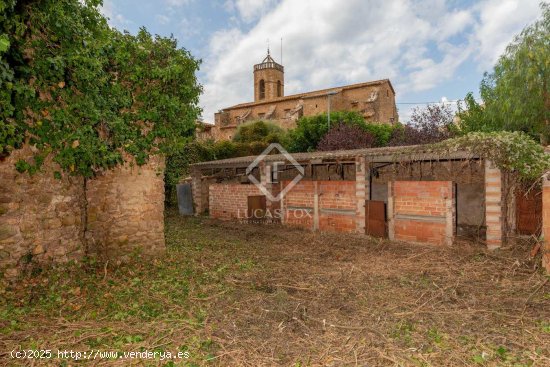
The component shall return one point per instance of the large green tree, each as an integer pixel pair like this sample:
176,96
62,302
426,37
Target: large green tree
87,94
516,95
310,130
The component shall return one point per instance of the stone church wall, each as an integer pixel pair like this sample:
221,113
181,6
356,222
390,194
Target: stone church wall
43,219
375,102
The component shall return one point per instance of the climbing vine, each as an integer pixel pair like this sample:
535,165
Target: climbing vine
87,94
514,152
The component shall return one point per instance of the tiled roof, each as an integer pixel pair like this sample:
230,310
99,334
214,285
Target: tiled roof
316,93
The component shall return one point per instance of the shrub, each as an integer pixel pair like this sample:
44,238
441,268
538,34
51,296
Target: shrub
258,131
310,130
427,125
345,136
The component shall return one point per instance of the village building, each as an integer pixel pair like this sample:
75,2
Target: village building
374,100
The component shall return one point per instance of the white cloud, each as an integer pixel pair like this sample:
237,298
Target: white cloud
428,73
162,19
189,28
454,23
499,21
418,44
177,3
249,10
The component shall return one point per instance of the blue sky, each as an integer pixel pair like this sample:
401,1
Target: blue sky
431,50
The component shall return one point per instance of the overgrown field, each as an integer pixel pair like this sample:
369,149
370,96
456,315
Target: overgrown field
245,295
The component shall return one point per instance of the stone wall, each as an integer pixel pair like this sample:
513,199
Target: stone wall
125,211
40,216
43,219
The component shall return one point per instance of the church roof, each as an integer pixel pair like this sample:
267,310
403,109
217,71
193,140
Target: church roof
269,63
268,58
312,94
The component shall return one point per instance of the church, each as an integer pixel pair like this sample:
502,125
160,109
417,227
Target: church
375,100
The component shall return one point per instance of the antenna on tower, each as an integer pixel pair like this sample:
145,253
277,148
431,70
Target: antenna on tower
268,46
281,50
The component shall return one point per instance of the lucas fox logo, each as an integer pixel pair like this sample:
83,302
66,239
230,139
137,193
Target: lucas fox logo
269,216
273,174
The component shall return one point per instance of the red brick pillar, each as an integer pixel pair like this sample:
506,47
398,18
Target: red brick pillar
196,188
316,206
546,224
362,191
493,206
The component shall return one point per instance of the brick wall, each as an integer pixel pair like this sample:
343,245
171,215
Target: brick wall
230,201
337,206
299,204
422,211
331,205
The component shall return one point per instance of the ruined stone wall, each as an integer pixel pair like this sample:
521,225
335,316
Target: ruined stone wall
40,216
125,210
43,219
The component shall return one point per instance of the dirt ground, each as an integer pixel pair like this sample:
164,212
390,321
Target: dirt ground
250,295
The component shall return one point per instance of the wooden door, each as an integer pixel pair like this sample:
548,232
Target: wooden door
256,208
529,212
375,218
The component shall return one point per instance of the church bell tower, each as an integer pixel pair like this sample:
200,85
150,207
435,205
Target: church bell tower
269,80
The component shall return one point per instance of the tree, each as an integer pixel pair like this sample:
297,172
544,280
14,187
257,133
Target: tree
310,130
430,124
87,94
344,136
259,131
516,95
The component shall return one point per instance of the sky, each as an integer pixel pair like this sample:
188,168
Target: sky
431,50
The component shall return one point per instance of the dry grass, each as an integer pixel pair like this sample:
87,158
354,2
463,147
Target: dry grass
238,295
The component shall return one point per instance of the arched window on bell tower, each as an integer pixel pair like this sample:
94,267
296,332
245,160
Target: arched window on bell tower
269,80
262,89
